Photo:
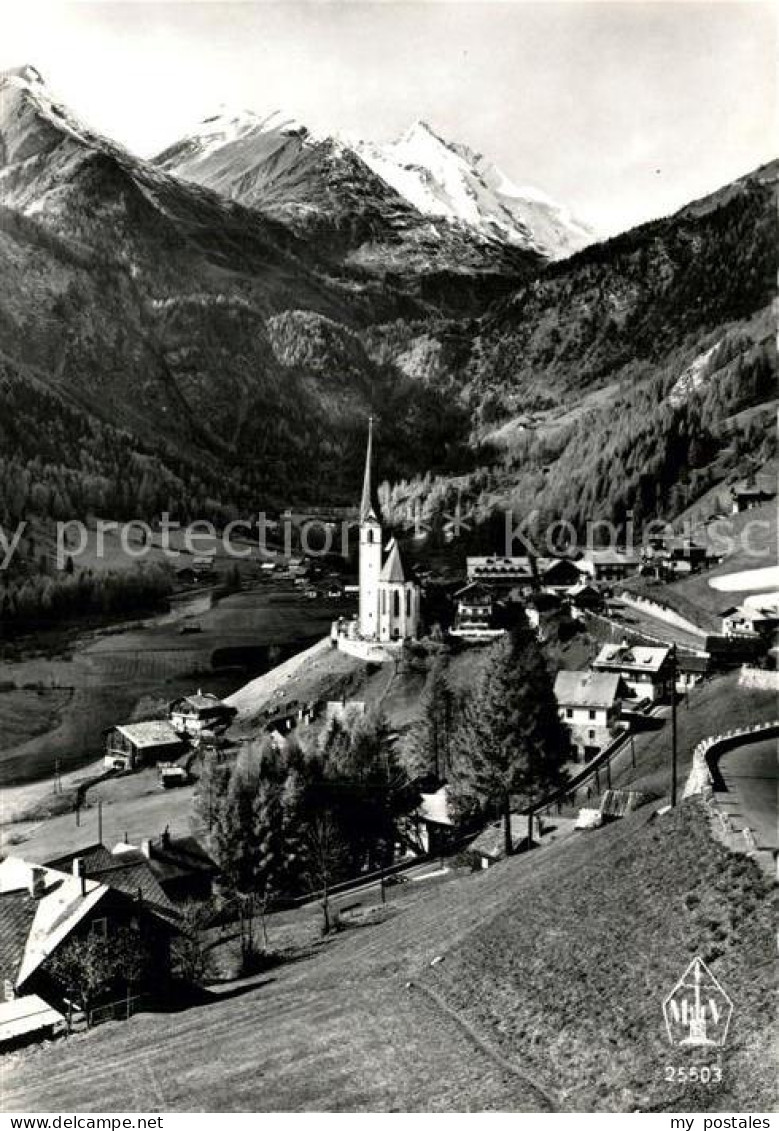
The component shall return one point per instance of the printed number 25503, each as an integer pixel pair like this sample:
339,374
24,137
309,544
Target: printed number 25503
694,1073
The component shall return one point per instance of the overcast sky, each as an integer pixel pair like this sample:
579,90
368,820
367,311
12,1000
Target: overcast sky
623,110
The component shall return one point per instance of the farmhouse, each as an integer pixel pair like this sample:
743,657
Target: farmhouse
43,908
475,618
194,714
609,565
750,621
590,705
557,575
128,870
647,673
133,745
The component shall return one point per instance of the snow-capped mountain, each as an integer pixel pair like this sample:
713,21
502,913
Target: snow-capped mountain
442,178
275,162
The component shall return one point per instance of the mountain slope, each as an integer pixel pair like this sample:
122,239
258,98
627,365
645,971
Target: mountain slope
241,352
417,205
444,179
155,305
573,376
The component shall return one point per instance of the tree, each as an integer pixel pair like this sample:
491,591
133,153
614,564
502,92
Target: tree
325,851
191,960
270,828
211,788
431,737
509,739
91,965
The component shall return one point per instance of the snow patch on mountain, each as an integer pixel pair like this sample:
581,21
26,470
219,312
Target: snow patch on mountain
447,179
241,152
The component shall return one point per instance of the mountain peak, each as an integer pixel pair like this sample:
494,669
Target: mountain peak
420,128
27,73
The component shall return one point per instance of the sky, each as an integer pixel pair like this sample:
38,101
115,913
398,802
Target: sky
622,109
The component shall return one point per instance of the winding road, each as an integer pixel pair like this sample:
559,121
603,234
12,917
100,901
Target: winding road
751,776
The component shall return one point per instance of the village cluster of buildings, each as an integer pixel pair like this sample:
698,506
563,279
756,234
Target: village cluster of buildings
167,743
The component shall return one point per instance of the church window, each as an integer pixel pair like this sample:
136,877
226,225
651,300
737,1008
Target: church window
408,602
370,537
396,603
383,601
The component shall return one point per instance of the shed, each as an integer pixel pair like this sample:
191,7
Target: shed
133,745
28,1018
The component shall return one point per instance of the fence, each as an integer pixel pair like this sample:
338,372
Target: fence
701,782
580,789
661,612
119,1010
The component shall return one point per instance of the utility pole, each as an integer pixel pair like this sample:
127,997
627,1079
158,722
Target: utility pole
100,822
674,753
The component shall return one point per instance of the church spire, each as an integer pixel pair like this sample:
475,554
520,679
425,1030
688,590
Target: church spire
366,504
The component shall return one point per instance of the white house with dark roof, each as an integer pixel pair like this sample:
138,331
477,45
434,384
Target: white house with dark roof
195,714
589,703
608,564
43,907
647,672
475,615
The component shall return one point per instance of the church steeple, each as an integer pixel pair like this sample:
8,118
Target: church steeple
366,504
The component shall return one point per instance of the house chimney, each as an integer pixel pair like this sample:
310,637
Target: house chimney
37,882
146,848
79,873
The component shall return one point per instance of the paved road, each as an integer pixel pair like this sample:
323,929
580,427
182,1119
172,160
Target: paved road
751,775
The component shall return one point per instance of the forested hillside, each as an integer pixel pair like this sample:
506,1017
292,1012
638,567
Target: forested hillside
165,348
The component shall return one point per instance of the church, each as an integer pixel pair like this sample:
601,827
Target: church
389,599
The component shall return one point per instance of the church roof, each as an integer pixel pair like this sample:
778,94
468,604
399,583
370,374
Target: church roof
366,503
392,569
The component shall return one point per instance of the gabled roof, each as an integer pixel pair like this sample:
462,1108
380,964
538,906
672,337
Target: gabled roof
172,857
129,872
155,732
632,657
392,569
434,807
492,841
200,702
475,589
611,557
587,689
17,911
64,901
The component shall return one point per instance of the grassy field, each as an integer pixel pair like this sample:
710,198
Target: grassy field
712,707
754,540
107,672
554,969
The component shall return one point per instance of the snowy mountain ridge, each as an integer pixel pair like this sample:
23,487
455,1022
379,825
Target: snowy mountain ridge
438,178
